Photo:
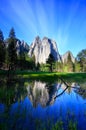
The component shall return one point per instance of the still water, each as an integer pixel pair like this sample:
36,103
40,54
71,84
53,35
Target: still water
37,105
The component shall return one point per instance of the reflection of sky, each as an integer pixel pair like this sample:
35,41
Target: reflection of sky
62,20
24,113
65,103
2,107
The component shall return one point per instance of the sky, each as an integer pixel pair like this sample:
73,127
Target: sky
61,20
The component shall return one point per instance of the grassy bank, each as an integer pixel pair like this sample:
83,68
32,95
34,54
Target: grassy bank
80,77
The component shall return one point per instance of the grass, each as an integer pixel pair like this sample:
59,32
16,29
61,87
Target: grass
27,73
46,76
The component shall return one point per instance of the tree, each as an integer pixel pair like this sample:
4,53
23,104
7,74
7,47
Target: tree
11,50
38,67
12,34
1,36
58,66
70,65
81,59
77,66
50,61
44,67
2,49
22,56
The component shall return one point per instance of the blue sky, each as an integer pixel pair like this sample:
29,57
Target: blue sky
61,20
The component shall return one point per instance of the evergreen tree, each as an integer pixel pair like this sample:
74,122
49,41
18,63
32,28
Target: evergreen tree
38,67
70,65
12,34
50,61
77,66
22,57
81,59
32,63
1,37
12,55
2,49
58,66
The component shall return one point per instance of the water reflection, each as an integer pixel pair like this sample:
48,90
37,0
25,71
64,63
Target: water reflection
45,94
25,103
38,93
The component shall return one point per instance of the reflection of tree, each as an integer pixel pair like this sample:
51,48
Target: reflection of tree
81,90
65,87
10,93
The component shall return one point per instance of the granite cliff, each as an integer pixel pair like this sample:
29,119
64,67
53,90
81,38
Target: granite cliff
42,48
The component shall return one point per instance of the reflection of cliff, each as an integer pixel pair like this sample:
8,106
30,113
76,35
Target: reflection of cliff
41,93
38,93
45,94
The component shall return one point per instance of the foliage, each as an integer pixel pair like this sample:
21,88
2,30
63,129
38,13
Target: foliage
58,66
12,34
37,67
81,59
58,126
1,36
44,67
21,59
72,126
77,66
11,49
50,61
2,49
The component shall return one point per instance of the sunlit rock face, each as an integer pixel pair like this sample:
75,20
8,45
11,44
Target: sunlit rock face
65,57
42,49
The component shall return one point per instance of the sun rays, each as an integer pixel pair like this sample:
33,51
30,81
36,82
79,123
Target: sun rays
61,20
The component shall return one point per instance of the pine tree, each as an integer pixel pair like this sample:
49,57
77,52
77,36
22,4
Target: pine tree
1,36
50,61
2,49
12,55
81,59
12,34
70,63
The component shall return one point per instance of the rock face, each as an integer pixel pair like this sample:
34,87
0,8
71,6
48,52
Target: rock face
42,49
21,47
65,57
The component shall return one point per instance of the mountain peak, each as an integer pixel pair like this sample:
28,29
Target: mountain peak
45,38
37,37
42,49
65,57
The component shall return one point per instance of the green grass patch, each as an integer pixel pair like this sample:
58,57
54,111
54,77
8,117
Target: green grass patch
79,77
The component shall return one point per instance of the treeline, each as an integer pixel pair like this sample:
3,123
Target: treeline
68,66
14,55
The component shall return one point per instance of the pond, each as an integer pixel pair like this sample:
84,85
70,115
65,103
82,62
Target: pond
39,105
